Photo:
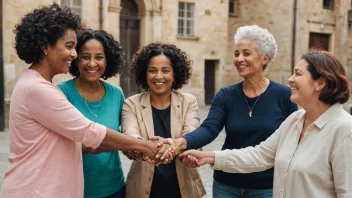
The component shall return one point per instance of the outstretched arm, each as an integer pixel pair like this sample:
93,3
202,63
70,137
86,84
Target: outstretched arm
49,107
247,160
208,131
196,158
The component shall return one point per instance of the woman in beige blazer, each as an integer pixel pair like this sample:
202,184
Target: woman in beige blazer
161,111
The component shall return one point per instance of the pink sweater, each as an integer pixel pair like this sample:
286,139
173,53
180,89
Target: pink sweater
46,133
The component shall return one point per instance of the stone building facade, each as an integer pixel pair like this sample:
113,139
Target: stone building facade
202,28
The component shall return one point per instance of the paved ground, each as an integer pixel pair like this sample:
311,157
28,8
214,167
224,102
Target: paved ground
206,172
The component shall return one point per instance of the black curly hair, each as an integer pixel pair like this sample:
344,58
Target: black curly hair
180,62
112,49
41,27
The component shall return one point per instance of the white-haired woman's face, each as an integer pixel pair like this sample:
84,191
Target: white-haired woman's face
247,59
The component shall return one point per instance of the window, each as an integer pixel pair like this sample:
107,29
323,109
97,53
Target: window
328,4
232,6
319,41
185,19
75,5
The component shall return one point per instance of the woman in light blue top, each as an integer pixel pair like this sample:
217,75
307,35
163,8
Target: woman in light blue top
99,56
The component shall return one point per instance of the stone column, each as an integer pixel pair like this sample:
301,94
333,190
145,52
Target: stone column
302,30
111,23
341,30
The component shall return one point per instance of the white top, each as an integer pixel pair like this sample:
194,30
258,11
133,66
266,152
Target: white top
319,166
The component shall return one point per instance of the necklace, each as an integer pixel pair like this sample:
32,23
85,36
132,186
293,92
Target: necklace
94,114
250,108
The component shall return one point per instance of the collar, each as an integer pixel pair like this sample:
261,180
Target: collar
323,118
175,99
328,115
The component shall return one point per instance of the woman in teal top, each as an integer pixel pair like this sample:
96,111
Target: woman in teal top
99,56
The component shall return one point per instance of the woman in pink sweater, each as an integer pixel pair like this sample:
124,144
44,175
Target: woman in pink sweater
46,131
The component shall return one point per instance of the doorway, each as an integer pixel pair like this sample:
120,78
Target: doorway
129,39
209,80
319,41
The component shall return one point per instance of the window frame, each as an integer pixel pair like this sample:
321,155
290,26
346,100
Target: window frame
182,29
74,7
328,4
233,10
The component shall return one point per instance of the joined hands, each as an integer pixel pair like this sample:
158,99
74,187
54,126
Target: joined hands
168,149
164,154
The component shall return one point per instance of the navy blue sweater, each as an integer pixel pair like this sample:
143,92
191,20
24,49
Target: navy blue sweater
229,109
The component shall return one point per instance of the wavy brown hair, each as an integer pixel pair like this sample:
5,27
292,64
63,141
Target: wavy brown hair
323,64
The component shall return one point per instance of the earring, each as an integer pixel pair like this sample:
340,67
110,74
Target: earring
45,53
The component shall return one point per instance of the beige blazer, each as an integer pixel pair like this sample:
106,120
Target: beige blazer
137,121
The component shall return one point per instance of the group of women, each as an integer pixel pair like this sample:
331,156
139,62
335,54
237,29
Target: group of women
64,138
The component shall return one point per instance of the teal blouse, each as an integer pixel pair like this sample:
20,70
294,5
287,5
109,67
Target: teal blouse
103,173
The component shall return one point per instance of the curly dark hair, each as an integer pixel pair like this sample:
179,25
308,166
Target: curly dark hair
41,27
323,64
112,49
180,62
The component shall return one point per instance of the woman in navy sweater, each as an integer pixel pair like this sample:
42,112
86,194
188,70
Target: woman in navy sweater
250,111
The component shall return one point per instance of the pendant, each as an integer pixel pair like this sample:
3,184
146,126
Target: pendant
250,113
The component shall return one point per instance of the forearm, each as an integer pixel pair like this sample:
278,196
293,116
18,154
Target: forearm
118,141
181,144
200,137
210,157
246,160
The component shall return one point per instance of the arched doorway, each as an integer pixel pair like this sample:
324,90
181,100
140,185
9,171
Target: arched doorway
129,38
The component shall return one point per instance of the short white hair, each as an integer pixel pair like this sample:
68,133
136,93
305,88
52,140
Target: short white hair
265,41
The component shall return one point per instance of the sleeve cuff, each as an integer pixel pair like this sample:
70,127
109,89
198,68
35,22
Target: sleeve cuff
191,142
96,136
220,160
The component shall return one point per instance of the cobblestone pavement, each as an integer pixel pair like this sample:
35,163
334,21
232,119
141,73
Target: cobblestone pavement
206,172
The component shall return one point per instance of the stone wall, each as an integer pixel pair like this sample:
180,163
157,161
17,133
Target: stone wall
12,13
313,18
210,42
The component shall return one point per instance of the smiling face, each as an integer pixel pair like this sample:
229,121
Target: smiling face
62,53
304,88
160,75
247,58
91,61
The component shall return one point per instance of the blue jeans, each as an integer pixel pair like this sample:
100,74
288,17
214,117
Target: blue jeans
224,191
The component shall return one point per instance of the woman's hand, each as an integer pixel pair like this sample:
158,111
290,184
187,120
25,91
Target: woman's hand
150,151
195,158
136,155
165,154
177,145
133,155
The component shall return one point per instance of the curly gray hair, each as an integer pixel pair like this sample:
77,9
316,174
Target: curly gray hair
265,41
